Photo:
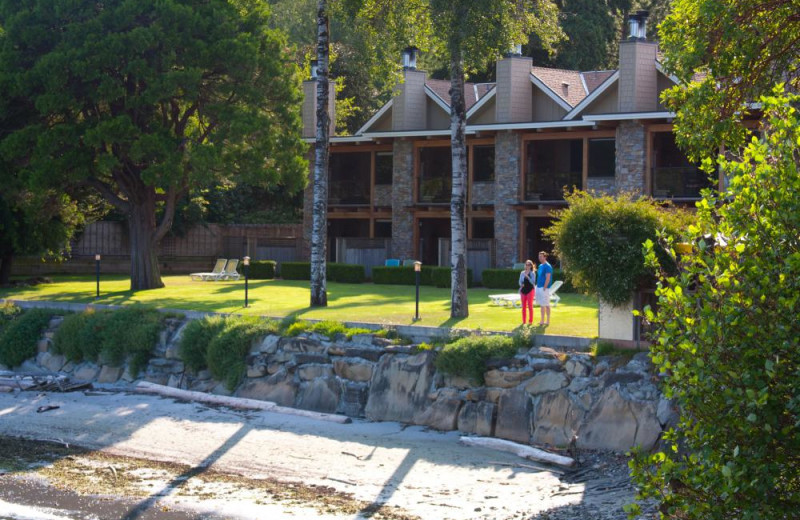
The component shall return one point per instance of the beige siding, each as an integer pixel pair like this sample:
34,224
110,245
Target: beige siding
605,103
544,108
663,84
514,87
485,115
309,108
638,82
384,123
438,119
410,102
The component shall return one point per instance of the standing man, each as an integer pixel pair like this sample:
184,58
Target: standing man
543,278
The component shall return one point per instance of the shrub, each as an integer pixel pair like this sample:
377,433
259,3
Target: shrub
345,273
227,351
601,239
67,339
21,335
131,332
441,277
401,275
296,270
522,338
196,337
8,312
259,269
467,356
327,328
500,278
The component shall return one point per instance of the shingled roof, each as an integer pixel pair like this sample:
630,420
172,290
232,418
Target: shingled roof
473,92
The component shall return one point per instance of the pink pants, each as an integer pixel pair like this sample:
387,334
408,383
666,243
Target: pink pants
527,304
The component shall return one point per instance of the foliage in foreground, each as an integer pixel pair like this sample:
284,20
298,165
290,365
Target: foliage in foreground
728,342
110,337
467,356
19,337
599,239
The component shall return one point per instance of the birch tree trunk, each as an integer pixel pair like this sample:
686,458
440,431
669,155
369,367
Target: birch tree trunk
459,307
319,228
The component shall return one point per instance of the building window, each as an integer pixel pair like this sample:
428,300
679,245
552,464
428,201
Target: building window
349,178
383,229
673,175
602,157
435,174
383,168
483,167
482,228
553,165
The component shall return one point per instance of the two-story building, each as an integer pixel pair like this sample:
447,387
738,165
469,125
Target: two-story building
530,135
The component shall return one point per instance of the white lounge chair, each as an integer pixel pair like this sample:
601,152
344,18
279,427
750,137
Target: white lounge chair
513,300
230,273
554,298
219,267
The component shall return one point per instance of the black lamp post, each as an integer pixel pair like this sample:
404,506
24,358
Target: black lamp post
246,273
97,272
417,270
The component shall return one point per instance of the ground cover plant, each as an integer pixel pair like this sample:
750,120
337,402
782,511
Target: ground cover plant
575,315
467,357
110,337
21,332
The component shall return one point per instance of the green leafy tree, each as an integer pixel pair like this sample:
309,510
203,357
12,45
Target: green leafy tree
726,53
727,342
599,239
143,100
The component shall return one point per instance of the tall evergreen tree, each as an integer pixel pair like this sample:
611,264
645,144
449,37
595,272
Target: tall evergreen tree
144,99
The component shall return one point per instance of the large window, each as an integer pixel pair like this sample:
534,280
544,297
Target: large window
552,165
435,174
349,180
673,175
483,157
383,168
602,157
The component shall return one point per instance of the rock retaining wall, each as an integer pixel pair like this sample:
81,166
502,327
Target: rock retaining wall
542,396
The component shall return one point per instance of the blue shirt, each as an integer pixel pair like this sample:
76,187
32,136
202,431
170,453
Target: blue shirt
541,275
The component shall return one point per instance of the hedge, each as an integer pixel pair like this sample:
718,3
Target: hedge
509,279
259,269
441,277
401,275
344,273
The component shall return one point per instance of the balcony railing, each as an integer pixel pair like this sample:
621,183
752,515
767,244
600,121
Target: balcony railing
550,186
435,190
348,193
679,182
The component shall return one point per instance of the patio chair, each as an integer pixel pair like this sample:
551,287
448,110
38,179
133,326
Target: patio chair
219,267
506,300
408,262
230,273
392,262
554,287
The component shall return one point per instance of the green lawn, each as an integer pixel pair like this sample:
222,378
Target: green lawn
576,315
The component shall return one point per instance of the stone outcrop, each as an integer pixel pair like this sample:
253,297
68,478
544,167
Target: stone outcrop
542,396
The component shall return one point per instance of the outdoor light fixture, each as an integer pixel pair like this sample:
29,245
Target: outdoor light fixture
246,261
97,272
417,270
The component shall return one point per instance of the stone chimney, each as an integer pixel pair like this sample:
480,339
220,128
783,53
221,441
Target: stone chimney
309,111
638,79
514,90
409,108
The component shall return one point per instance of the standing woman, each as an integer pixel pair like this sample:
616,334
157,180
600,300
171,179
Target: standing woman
527,281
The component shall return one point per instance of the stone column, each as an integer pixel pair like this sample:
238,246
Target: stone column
507,178
402,199
631,157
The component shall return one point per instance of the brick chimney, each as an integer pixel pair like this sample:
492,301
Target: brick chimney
309,111
409,108
514,94
638,79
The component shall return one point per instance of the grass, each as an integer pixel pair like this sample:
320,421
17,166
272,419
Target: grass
575,315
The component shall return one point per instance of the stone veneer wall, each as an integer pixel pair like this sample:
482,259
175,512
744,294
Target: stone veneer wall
507,150
402,199
604,185
541,396
631,162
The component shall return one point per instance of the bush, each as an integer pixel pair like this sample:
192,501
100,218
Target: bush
8,312
601,239
441,277
296,270
467,356
69,341
21,335
227,351
522,338
131,332
259,269
327,328
195,339
345,273
401,275
501,278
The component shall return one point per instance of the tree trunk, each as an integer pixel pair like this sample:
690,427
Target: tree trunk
459,306
5,267
319,228
145,273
